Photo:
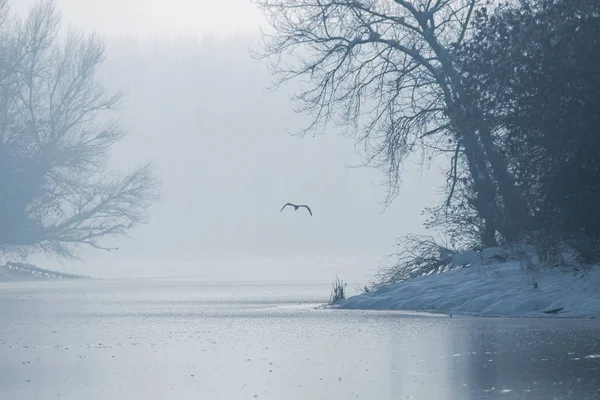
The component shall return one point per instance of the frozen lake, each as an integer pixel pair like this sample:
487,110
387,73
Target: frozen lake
176,339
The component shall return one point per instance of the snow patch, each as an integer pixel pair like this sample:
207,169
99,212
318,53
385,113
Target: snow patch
468,257
499,289
492,253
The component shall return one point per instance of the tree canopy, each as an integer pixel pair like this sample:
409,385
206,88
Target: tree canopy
508,94
56,189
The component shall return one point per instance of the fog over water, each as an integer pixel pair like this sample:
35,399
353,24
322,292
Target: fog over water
197,105
220,294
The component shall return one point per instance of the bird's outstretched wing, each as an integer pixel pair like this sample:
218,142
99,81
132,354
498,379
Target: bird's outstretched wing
308,208
285,205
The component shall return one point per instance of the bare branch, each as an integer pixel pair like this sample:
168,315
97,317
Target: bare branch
385,73
376,69
453,174
56,192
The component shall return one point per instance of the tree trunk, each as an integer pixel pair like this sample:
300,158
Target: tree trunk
516,218
488,236
513,219
485,190
479,150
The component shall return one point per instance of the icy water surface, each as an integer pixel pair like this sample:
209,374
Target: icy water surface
174,339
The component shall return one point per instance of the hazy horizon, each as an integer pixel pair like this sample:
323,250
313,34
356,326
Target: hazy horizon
156,18
200,109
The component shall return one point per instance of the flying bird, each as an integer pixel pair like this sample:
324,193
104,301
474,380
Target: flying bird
296,207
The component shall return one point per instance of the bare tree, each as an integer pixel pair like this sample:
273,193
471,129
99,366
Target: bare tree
56,192
386,71
416,256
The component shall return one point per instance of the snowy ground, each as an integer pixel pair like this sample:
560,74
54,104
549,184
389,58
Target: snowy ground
502,289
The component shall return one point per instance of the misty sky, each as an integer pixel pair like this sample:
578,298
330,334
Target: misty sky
201,111
150,18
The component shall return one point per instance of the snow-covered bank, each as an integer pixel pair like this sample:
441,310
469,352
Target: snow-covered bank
502,289
14,271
